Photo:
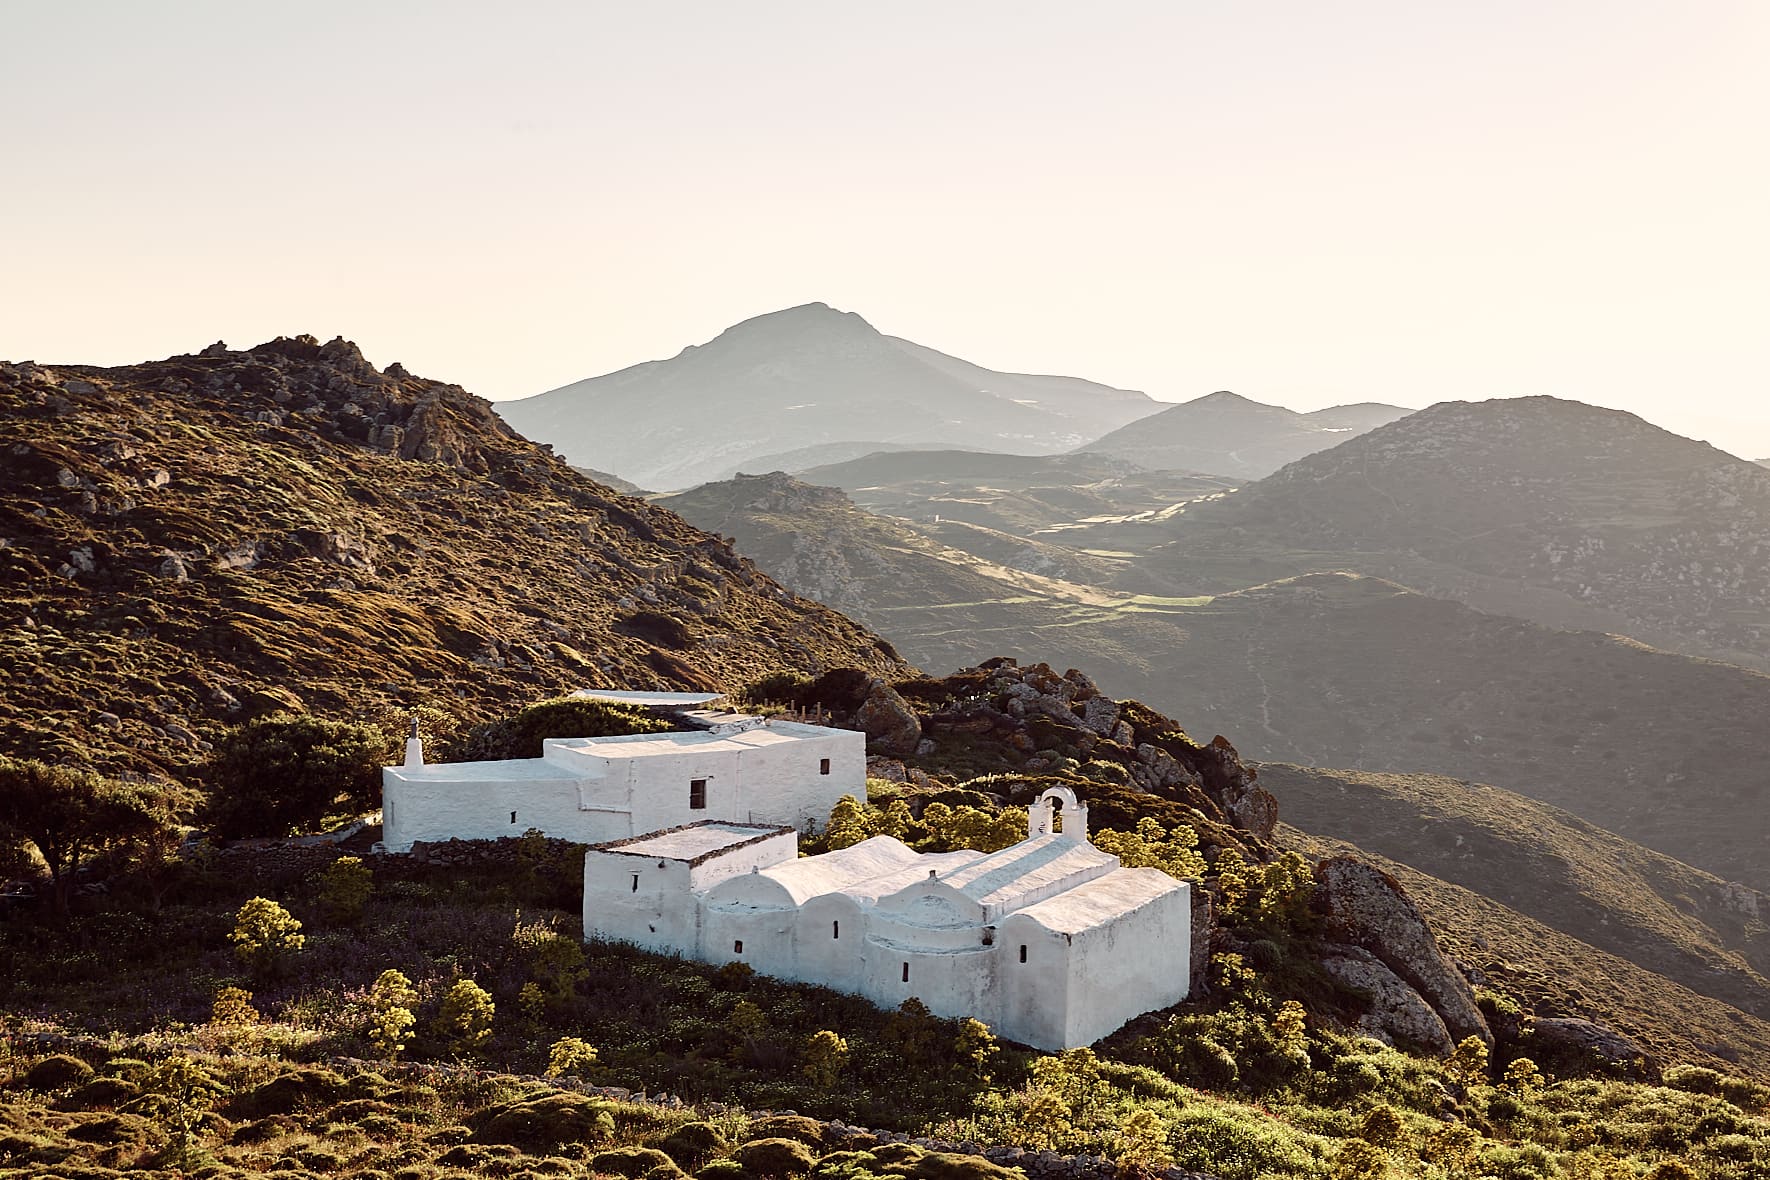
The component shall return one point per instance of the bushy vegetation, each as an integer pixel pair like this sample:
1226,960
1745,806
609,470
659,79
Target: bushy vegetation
281,775
71,816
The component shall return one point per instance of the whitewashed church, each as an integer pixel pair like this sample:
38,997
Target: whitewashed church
1050,942
588,790
695,852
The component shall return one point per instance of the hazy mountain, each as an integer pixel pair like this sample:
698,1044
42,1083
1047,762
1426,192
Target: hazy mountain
192,541
1225,434
608,480
1566,513
804,377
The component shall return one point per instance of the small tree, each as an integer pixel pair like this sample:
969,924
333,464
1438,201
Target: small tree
976,1048
825,1055
1150,847
1523,1076
391,1000
465,1018
265,935
570,1057
71,815
1468,1063
281,775
1291,1026
177,1094
345,886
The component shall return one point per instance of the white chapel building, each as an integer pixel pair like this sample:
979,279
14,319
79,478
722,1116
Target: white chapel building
730,768
1051,942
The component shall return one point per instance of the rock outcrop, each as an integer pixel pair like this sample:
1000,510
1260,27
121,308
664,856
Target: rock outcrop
1571,1043
1397,1013
891,725
1363,906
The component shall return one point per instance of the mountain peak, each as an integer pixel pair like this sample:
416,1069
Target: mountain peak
804,318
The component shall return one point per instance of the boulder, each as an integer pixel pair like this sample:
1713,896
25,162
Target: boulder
1366,907
891,725
1397,1014
1571,1044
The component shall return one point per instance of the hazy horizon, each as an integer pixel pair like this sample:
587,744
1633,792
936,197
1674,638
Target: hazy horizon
1378,202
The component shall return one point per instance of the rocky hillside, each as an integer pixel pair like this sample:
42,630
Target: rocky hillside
805,377
1564,984
1606,891
1229,435
1565,513
189,542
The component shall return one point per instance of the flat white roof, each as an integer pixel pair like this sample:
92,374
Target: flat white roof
643,745
695,840
671,699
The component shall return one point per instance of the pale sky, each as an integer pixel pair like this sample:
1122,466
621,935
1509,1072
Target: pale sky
1303,202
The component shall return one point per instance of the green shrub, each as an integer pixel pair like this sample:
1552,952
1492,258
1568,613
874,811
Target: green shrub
788,1126
693,1144
102,1094
723,1170
775,1158
465,1018
59,1072
266,936
937,1165
302,1089
345,887
570,1056
283,775
632,1161
547,1122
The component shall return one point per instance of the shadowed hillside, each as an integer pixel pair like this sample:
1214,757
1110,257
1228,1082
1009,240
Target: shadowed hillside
197,540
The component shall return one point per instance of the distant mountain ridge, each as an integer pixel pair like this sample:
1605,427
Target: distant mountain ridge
806,377
1224,433
1564,512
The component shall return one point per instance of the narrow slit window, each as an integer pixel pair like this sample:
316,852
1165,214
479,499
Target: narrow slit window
737,948
513,817
836,929
1023,952
635,882
823,766
697,794
906,972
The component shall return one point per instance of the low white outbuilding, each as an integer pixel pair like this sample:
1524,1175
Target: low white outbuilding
1051,942
590,790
